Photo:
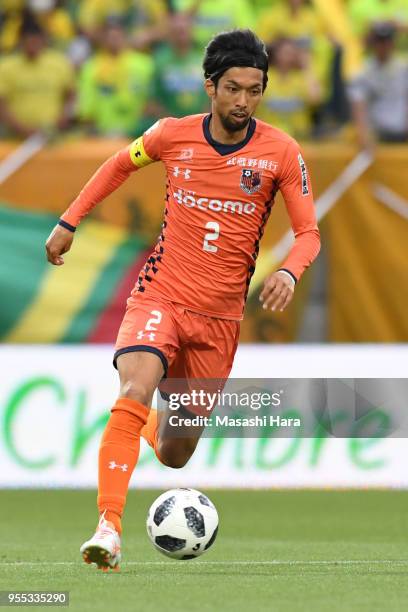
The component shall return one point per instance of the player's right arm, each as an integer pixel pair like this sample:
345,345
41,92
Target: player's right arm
295,186
107,179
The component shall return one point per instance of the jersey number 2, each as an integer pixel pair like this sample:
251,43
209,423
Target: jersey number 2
214,235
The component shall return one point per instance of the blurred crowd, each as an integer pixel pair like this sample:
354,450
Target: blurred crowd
338,68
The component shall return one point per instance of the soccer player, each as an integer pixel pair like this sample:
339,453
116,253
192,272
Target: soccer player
182,318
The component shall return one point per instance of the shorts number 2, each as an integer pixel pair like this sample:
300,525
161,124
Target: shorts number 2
155,320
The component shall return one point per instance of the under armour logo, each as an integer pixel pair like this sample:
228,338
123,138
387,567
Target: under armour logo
178,171
113,465
140,335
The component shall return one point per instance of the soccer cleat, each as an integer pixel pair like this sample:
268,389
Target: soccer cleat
103,548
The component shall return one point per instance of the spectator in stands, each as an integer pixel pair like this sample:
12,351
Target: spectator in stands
144,18
149,23
178,81
292,92
36,85
10,23
114,85
295,19
379,95
213,16
299,21
54,19
51,15
364,14
94,14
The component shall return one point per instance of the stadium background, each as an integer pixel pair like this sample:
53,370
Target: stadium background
108,70
105,72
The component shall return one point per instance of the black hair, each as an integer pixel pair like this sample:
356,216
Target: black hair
382,31
232,49
29,25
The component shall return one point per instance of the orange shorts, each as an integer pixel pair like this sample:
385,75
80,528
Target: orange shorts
189,344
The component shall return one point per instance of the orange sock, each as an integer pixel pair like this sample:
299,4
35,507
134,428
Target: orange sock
118,455
150,431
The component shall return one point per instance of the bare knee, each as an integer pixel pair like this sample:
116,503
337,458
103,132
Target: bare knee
139,373
136,390
176,453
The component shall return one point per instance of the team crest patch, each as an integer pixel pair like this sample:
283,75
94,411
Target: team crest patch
250,180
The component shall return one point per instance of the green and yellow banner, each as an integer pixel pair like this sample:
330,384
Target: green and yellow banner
363,270
83,300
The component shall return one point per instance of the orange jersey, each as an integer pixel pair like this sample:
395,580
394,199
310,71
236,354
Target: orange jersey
218,201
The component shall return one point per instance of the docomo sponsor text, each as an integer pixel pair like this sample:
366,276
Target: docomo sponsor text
228,206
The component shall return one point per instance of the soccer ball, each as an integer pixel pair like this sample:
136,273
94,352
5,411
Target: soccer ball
182,523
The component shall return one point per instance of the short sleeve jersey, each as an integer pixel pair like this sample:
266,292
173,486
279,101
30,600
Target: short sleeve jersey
218,201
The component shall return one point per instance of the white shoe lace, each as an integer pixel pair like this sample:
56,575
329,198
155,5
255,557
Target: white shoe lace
104,530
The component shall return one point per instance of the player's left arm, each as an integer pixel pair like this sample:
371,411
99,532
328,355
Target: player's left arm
295,186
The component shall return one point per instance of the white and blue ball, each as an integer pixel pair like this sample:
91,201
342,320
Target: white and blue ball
182,523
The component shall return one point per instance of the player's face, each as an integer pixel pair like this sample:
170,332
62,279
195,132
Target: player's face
236,96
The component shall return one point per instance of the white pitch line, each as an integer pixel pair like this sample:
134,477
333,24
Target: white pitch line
271,562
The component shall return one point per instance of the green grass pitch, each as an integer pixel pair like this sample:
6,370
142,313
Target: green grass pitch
285,551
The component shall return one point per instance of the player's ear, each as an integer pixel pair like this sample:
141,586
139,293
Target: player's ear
209,88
